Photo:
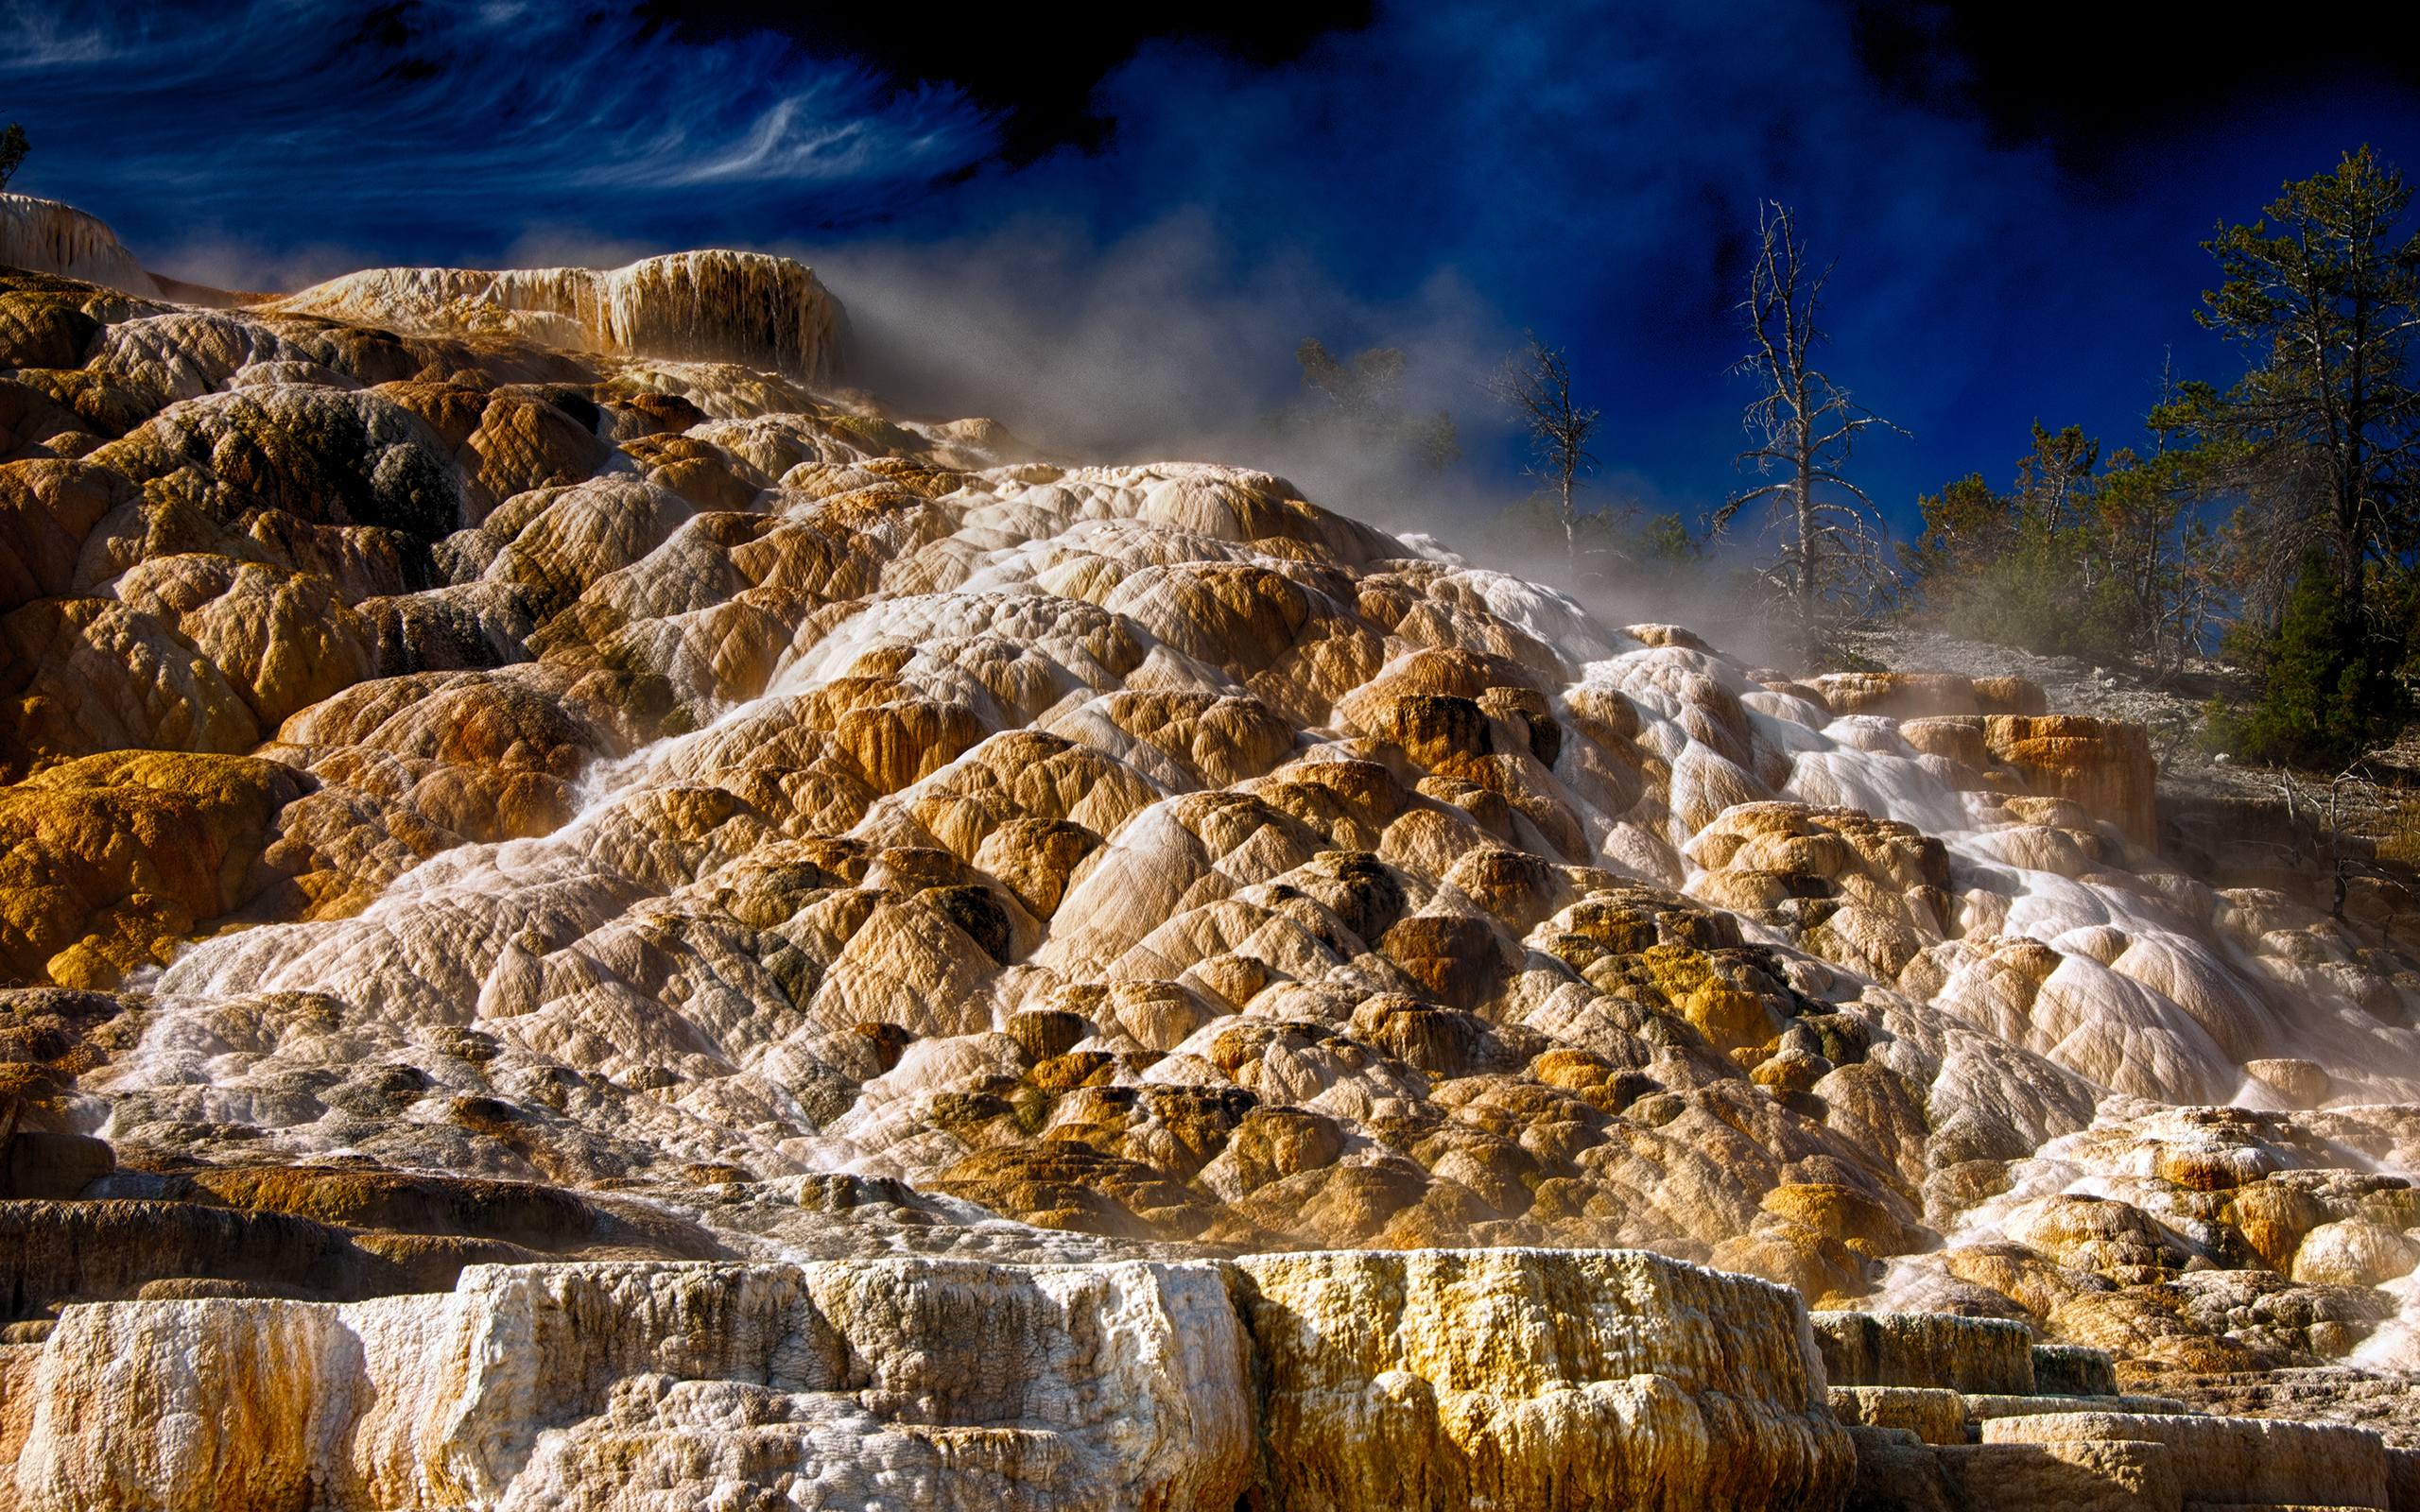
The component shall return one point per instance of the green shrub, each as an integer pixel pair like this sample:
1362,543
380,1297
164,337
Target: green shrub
2326,692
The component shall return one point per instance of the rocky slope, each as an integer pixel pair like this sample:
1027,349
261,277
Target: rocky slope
491,785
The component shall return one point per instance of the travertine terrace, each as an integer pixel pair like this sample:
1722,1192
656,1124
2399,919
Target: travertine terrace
742,306
594,920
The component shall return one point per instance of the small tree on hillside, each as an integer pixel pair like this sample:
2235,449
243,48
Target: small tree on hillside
1363,399
1967,526
2322,293
13,152
1535,385
2151,525
1802,425
2056,477
2317,706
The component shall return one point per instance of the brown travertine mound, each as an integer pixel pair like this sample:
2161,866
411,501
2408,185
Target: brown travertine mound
44,236
711,306
112,859
497,766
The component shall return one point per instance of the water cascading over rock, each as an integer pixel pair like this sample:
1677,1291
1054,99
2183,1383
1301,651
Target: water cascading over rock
539,837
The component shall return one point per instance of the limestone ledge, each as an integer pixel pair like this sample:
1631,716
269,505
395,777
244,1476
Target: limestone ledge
1495,1378
49,237
717,306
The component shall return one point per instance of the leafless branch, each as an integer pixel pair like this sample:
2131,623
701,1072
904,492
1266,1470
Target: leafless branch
1832,555
1535,385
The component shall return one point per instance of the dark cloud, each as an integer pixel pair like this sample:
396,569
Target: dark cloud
2095,83
1119,234
1034,71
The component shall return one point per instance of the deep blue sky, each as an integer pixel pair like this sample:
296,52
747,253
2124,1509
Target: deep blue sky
1119,239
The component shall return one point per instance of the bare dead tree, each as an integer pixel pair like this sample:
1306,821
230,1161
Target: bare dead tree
1535,385
1802,425
2353,817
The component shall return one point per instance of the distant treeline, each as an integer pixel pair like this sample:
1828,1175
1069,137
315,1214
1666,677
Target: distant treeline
2273,520
2277,514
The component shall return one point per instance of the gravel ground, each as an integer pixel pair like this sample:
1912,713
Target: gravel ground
2173,708
2385,1403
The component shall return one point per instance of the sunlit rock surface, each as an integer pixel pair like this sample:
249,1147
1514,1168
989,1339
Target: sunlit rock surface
1513,1378
746,308
522,756
1494,1379
44,236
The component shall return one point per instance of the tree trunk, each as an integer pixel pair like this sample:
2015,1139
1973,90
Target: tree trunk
1805,500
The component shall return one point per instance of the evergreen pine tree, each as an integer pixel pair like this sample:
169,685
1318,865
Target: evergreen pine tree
2321,702
13,152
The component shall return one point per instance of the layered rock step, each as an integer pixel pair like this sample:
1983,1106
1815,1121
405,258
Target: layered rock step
1330,1379
1925,1349
49,237
1498,1378
2223,1461
714,307
2031,1440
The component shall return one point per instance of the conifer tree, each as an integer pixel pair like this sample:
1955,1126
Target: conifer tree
13,152
2324,294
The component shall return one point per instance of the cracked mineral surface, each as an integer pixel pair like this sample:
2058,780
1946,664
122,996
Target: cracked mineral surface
595,920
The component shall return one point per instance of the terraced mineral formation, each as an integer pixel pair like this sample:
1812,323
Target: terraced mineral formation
2001,1426
746,308
1355,1383
511,770
44,236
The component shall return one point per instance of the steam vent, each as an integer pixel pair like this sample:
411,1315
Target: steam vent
595,921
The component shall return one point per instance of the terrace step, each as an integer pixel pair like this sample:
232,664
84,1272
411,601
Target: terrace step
2228,1460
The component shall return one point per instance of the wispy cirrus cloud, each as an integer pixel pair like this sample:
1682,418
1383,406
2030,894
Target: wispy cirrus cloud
434,129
